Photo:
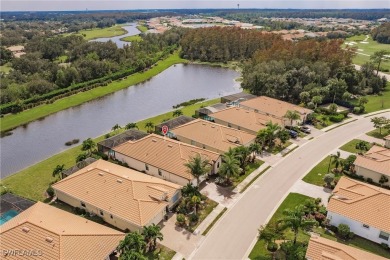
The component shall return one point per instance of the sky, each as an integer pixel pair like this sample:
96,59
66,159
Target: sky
64,5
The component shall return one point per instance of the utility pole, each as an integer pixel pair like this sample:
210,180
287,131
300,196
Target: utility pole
238,6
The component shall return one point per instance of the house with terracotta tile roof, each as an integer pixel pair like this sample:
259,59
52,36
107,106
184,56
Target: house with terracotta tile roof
274,107
374,163
363,207
321,248
46,232
387,141
123,197
246,120
212,136
164,158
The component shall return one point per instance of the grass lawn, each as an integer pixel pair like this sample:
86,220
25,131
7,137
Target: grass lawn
142,28
351,146
316,175
322,121
133,38
365,49
378,102
203,213
102,33
259,251
249,169
33,181
11,121
161,253
278,148
5,68
375,133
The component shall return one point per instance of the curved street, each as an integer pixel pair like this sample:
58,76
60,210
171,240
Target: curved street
234,234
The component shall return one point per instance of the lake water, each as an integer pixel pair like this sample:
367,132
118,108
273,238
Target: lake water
43,138
131,30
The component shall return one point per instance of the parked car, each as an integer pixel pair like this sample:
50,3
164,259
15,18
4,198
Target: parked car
305,129
293,134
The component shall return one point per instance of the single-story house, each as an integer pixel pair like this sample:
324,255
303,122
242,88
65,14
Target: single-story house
122,197
164,158
363,207
242,119
275,107
374,163
212,136
320,248
172,123
387,141
17,50
46,232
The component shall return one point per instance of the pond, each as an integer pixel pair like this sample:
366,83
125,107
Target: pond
131,30
43,138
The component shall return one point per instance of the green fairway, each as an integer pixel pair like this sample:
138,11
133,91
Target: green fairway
142,28
11,121
378,102
33,181
133,38
102,33
364,50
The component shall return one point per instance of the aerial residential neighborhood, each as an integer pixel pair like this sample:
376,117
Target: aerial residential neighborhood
195,130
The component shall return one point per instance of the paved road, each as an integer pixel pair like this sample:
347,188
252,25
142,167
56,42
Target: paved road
233,235
387,76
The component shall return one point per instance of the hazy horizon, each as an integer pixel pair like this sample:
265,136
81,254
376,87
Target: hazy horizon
93,5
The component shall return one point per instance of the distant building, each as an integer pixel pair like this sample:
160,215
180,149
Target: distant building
274,107
374,163
321,248
50,233
17,50
164,158
363,207
211,136
124,198
242,119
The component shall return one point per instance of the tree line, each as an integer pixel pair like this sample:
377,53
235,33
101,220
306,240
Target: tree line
381,33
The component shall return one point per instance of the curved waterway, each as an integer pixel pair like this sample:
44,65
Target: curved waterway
131,30
43,138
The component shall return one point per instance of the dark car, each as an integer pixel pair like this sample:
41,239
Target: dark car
293,134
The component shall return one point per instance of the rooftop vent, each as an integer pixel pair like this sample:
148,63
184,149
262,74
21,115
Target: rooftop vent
154,140
25,229
101,174
119,181
107,170
213,126
49,239
169,145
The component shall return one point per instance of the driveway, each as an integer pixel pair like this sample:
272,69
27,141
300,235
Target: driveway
234,234
311,190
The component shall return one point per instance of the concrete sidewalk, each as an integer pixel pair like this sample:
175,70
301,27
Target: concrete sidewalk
250,177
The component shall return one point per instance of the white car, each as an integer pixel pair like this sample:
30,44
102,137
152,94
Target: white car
305,129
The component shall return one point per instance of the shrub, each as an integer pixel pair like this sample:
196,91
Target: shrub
356,110
194,217
328,179
79,211
69,143
50,191
75,141
343,230
385,246
104,156
319,217
181,219
272,246
369,180
336,118
318,201
351,235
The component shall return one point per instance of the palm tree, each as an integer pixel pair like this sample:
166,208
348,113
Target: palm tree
149,126
380,122
88,145
362,146
195,200
296,220
262,137
58,170
133,241
292,115
198,167
81,157
255,149
272,129
132,255
116,127
337,160
177,112
229,168
151,234
242,153
190,190
131,125
316,100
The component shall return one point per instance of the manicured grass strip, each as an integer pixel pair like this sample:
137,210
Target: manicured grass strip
249,169
102,33
254,179
214,221
284,155
133,38
377,134
161,253
316,175
11,121
203,213
33,181
351,146
377,113
341,125
260,251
